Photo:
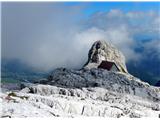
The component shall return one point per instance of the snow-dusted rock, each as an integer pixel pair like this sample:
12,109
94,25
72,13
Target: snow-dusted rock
94,92
74,102
113,81
85,92
102,50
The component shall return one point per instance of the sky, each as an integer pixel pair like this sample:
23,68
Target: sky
93,7
50,35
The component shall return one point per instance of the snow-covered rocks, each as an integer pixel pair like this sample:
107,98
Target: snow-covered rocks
74,102
85,92
113,81
94,92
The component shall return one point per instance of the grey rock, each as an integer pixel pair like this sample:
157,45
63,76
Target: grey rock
102,50
113,81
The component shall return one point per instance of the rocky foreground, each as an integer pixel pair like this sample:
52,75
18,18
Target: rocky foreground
90,91
95,92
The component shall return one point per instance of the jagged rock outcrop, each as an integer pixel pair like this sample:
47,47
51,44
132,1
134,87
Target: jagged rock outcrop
102,50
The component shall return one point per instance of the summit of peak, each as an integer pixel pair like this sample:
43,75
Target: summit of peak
104,51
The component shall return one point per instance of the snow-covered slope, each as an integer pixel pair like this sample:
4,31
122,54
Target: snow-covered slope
95,92
85,92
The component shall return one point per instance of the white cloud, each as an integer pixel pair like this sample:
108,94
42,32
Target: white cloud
119,37
47,36
121,28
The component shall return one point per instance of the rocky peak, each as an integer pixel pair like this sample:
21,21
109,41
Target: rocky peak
103,51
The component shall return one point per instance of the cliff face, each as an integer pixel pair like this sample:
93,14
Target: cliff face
87,92
100,51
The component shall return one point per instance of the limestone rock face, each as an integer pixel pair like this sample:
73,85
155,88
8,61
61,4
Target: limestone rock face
102,50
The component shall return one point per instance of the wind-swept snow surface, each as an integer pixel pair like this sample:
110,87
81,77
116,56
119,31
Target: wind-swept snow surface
97,93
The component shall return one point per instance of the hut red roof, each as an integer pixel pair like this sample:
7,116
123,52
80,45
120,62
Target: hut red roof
107,65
